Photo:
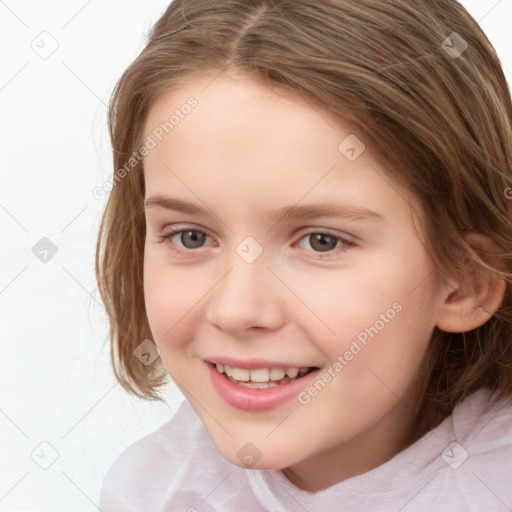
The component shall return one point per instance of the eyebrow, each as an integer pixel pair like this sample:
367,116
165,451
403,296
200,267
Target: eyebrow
287,213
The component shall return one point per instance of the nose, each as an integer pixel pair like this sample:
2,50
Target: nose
247,299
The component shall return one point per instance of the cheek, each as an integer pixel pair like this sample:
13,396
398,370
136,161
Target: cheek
342,305
382,313
169,297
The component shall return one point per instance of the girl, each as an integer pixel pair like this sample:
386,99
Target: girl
310,231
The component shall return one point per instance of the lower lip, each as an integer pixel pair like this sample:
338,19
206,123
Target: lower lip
251,399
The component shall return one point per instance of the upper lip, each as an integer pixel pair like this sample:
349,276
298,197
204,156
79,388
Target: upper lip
251,364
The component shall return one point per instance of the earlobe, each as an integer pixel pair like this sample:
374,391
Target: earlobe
471,302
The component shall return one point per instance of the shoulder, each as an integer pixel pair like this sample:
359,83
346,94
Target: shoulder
474,464
483,423
465,463
140,476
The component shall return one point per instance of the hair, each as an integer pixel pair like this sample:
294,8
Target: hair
440,123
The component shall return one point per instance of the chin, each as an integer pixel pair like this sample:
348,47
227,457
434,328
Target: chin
250,456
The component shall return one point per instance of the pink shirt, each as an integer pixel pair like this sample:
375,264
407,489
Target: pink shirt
464,464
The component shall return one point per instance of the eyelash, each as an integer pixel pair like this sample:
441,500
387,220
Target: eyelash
167,238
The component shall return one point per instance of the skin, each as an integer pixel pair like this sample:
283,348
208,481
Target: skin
243,150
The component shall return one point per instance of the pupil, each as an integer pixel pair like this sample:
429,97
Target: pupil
195,239
322,242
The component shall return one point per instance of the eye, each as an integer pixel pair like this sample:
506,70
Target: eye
189,239
321,242
324,241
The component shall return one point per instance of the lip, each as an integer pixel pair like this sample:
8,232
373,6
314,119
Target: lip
248,399
254,364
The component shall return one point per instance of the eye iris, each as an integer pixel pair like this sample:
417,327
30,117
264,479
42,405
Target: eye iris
322,242
195,237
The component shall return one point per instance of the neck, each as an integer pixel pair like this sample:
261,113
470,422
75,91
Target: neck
359,455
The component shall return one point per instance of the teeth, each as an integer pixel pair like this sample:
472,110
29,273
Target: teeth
241,374
292,372
277,374
257,385
260,377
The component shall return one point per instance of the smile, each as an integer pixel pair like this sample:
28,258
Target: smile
259,388
261,378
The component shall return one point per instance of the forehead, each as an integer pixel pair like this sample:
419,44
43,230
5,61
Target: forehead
231,108
270,146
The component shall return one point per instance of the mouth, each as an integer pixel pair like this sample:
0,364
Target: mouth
259,385
264,377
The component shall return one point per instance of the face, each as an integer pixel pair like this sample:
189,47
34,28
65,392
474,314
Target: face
276,241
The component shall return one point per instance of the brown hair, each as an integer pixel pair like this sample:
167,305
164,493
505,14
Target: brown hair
439,121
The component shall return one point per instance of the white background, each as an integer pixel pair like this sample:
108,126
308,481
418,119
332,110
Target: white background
56,383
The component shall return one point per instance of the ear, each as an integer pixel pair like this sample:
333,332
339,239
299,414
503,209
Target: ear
470,302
